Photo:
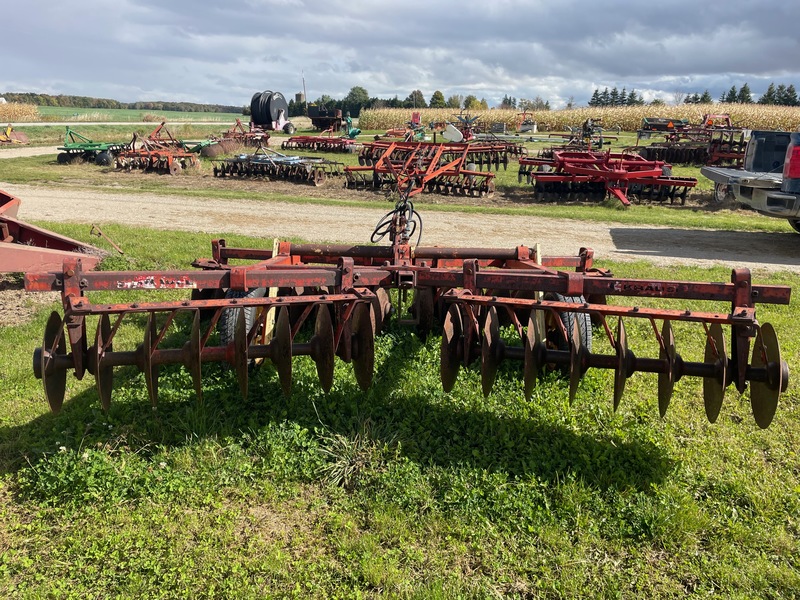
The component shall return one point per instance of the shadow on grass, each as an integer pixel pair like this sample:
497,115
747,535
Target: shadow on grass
432,430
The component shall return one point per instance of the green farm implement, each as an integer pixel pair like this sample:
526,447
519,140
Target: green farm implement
78,147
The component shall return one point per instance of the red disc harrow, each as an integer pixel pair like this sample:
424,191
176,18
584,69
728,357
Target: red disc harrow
328,301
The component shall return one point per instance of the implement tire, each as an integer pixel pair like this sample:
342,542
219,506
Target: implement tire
554,338
226,326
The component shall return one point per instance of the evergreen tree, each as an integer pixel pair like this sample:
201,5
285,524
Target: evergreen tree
437,100
595,99
622,98
791,96
706,98
613,97
780,95
508,102
744,96
770,96
605,98
634,99
731,96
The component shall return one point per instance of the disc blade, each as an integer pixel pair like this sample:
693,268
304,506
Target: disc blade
104,375
364,342
54,380
423,309
534,348
281,350
666,379
714,387
450,354
240,354
489,351
575,356
381,307
323,351
621,370
764,394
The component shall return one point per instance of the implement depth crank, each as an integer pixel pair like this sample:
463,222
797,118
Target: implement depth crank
325,301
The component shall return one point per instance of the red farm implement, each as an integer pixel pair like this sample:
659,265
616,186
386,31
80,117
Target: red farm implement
715,141
25,248
414,167
160,152
592,176
324,142
253,136
324,301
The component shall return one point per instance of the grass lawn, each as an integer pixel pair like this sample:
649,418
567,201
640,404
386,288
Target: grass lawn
402,491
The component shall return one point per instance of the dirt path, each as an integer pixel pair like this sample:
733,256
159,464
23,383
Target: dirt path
27,151
316,222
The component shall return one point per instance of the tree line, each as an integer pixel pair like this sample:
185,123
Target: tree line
358,98
105,103
616,97
780,95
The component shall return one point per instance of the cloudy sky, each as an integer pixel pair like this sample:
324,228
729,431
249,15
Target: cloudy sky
222,51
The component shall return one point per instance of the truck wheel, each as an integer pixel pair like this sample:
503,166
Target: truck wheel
795,223
289,129
723,193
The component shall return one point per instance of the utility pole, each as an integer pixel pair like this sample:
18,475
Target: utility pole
305,96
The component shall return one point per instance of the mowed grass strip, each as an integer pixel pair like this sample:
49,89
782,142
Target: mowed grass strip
402,491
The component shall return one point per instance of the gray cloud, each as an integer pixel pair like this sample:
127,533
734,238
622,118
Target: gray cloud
221,52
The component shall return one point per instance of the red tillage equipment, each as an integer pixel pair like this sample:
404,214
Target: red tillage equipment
254,136
25,248
715,141
586,175
324,142
414,167
326,301
159,151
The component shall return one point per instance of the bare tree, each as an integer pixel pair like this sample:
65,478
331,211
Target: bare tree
678,96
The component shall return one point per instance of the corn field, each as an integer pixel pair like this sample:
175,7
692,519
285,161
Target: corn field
627,118
14,112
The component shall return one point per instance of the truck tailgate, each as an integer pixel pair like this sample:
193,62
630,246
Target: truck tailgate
745,178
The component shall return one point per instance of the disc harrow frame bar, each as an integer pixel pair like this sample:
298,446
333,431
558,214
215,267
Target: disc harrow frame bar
585,175
324,142
345,290
492,154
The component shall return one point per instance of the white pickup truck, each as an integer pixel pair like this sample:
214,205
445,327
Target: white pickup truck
770,180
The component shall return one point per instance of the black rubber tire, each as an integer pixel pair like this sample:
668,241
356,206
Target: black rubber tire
795,223
289,129
723,193
568,319
104,159
226,326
